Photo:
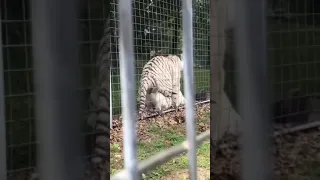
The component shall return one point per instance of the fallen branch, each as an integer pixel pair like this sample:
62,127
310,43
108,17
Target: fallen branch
171,110
162,157
297,128
164,112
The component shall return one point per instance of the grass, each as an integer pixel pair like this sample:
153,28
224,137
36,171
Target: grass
202,82
161,139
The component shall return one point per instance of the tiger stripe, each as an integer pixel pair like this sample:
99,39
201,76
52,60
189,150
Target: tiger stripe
163,72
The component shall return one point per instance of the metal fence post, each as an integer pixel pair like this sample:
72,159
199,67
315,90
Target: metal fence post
251,61
58,111
189,85
215,63
127,81
110,100
3,164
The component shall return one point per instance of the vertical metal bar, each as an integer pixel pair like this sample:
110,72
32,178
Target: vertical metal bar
252,66
128,85
3,164
215,63
58,111
189,85
110,101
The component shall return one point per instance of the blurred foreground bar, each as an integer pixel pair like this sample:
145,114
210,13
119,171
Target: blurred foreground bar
252,68
3,164
58,109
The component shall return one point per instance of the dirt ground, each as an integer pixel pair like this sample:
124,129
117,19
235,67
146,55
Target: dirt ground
203,174
172,118
174,122
296,157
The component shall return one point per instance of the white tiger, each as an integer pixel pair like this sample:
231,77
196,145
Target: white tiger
163,72
158,102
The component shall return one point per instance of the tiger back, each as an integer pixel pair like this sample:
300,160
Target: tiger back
163,72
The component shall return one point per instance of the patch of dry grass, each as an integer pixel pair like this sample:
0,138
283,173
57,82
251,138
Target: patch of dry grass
158,134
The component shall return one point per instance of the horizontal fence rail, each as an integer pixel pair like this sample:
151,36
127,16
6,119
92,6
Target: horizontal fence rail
163,157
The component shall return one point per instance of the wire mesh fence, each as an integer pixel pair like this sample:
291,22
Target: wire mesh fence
293,51
18,75
18,66
127,69
157,29
18,80
292,55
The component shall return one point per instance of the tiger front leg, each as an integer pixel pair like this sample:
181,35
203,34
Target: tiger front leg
142,114
175,97
175,102
176,89
158,111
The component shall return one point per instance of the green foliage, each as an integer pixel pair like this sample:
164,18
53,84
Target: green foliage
158,27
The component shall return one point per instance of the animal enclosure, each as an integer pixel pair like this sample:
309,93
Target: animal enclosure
293,36
17,73
18,62
157,27
289,31
133,169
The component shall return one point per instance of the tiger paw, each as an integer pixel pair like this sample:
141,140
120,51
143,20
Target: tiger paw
141,116
175,107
